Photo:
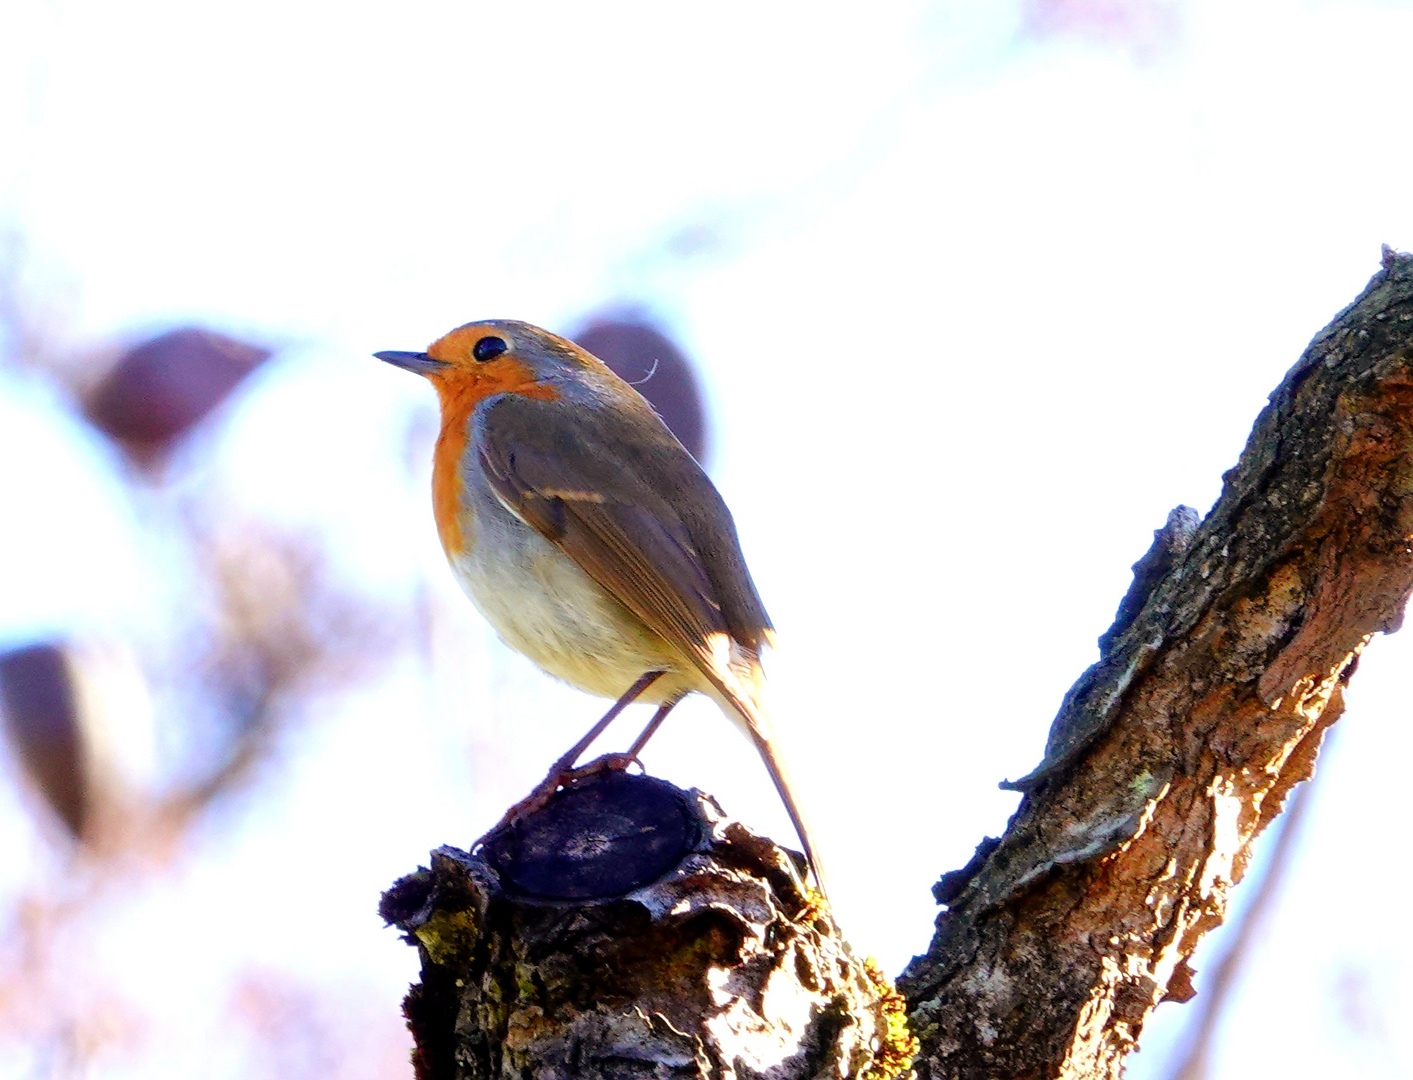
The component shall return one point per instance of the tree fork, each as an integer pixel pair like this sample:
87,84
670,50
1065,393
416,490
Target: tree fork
1215,685
1169,756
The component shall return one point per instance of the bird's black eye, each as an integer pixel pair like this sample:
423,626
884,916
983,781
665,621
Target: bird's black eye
488,348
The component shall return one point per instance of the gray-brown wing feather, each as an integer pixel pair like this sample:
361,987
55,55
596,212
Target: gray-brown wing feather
636,513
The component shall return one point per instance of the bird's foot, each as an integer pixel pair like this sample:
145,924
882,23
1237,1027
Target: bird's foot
606,763
562,774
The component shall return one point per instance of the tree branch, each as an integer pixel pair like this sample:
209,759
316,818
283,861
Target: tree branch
1172,753
1197,1060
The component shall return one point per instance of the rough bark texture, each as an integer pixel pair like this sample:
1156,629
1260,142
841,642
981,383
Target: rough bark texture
1175,750
724,967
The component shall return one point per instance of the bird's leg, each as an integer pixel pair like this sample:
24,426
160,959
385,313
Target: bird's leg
653,724
563,771
622,761
565,764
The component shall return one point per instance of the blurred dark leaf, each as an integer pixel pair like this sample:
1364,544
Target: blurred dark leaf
160,390
40,711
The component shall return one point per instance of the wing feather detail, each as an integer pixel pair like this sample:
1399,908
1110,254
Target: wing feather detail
609,519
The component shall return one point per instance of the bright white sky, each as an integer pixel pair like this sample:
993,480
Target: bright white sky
975,310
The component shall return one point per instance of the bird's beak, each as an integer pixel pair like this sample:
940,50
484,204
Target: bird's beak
418,362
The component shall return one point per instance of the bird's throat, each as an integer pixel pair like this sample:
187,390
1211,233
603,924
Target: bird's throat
459,395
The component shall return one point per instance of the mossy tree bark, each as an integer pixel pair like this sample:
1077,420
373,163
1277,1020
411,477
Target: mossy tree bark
1223,670
600,939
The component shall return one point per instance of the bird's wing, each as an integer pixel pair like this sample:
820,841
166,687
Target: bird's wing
558,472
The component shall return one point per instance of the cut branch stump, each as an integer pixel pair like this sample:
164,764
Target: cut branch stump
629,929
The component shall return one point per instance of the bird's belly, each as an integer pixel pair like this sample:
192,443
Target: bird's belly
541,604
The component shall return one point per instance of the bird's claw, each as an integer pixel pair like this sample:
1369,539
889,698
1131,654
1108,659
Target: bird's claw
606,763
562,775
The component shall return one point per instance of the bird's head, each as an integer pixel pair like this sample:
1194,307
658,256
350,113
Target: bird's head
499,356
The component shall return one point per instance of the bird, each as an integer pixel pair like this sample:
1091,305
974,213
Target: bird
591,539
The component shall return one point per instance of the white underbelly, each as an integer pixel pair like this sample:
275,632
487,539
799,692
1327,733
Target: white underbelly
543,605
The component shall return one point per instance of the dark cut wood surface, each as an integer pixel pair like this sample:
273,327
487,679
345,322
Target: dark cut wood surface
599,839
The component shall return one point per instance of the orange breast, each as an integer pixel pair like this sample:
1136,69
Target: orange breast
460,391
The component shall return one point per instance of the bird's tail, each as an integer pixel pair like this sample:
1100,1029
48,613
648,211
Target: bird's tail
755,720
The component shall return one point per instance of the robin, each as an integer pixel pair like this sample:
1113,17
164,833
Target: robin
590,538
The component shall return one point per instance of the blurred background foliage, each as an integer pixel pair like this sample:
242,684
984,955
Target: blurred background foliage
955,301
